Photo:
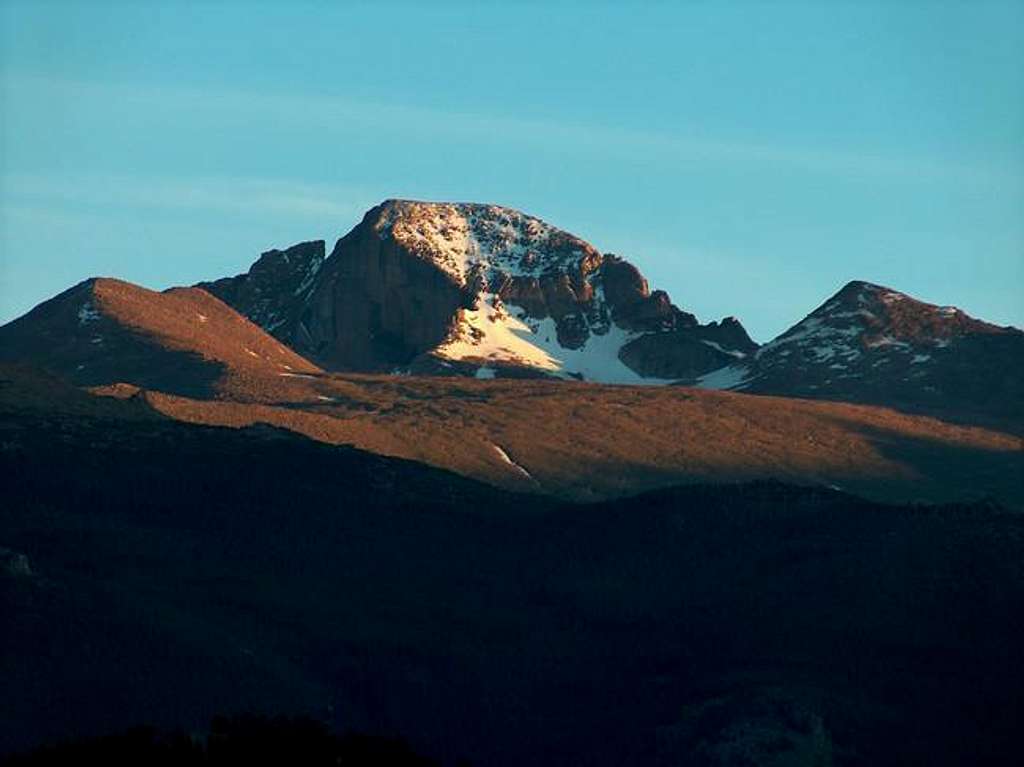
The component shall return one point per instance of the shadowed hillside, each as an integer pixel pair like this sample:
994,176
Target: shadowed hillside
158,572
231,742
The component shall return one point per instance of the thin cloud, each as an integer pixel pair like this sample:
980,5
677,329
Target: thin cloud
324,112
215,194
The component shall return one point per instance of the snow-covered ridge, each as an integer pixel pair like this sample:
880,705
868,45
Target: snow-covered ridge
731,377
463,237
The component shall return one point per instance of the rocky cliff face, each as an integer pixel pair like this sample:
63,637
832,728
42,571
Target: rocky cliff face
476,290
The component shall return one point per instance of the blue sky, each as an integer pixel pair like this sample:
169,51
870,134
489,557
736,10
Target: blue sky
749,157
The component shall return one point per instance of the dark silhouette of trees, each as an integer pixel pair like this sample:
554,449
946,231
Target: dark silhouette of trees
233,741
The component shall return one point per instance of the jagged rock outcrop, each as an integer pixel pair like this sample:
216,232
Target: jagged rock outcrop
274,286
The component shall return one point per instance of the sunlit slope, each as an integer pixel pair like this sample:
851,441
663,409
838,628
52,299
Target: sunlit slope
587,441
182,340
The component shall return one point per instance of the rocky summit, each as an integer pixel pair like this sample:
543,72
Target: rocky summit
473,289
870,343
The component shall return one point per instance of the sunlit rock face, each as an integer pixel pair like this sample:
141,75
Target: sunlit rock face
471,289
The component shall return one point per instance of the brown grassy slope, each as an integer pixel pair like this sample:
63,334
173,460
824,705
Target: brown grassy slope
183,340
190,319
586,441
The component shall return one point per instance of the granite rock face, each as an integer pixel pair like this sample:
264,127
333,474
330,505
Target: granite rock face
375,307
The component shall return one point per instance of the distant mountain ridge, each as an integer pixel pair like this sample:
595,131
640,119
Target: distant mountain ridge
467,289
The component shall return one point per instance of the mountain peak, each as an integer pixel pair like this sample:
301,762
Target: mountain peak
861,286
864,317
860,292
882,311
300,257
871,343
182,340
462,288
466,238
476,289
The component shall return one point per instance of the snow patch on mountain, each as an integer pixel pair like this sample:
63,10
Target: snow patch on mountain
729,377
887,341
504,457
87,313
312,269
297,375
821,336
718,347
493,333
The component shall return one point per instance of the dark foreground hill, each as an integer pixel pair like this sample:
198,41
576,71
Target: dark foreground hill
159,572
231,741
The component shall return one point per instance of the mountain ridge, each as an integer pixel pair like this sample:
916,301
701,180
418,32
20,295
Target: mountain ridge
871,343
480,290
182,340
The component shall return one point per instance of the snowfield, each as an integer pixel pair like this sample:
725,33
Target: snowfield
494,333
